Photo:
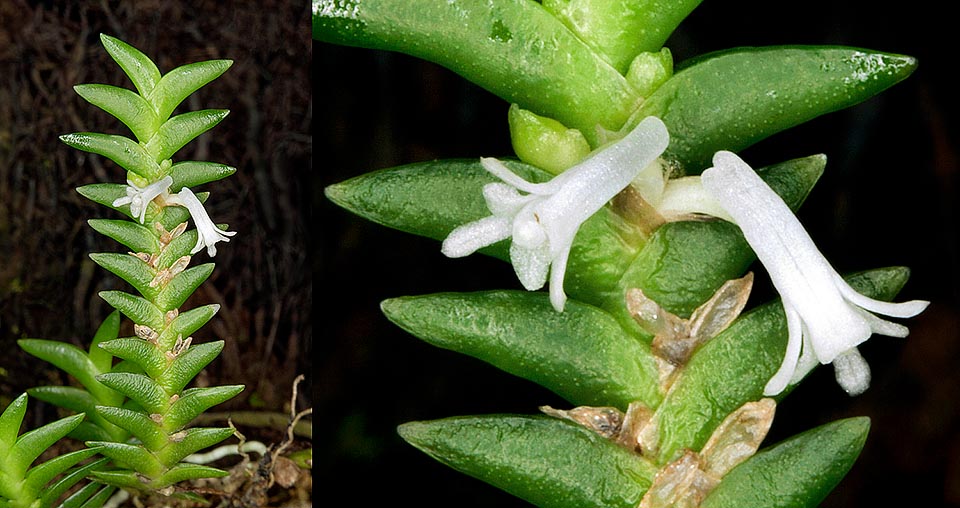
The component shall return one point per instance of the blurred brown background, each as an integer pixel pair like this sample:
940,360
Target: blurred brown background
888,197
48,285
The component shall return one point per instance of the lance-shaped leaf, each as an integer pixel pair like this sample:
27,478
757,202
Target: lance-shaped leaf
140,69
797,473
185,324
182,285
432,198
68,480
752,93
194,173
137,424
92,495
513,48
105,194
145,355
126,152
194,401
140,388
180,130
178,84
620,29
129,268
191,441
582,354
183,472
683,263
136,237
131,456
130,108
733,367
140,310
73,361
549,462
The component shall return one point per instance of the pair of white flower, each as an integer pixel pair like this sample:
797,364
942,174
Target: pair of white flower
826,318
139,197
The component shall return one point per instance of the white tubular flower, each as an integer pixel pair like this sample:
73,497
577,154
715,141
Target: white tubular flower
544,221
207,232
139,197
826,318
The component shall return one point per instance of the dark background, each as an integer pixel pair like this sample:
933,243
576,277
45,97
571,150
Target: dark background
48,285
888,197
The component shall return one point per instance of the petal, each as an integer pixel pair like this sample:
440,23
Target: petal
504,200
468,238
530,265
852,372
784,375
901,310
502,172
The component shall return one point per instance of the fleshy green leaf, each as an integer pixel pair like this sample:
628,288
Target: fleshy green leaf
38,477
10,421
192,440
58,488
133,457
182,286
545,461
194,401
136,237
108,330
126,152
797,473
183,471
733,367
582,354
752,93
513,48
194,173
185,324
129,268
105,194
137,351
130,108
188,365
178,84
30,445
140,69
138,309
180,130
620,29
136,423
73,361
176,249
139,388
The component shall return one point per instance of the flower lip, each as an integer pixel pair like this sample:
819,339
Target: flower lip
826,318
544,221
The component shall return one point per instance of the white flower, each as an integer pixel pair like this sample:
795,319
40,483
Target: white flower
139,197
544,221
826,318
207,232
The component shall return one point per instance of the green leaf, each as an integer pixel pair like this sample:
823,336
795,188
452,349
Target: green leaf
137,424
30,445
545,461
140,388
180,130
183,472
126,152
514,48
752,93
194,173
192,441
38,477
10,421
176,249
797,473
108,330
582,354
194,401
182,286
73,361
129,268
732,368
545,142
105,194
136,237
140,69
131,109
58,488
188,365
684,263
185,324
139,310
620,29
137,351
178,84
133,457
124,479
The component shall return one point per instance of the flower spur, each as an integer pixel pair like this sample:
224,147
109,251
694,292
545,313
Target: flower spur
544,221
826,318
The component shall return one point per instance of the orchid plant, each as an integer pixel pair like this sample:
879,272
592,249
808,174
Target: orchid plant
134,414
628,197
